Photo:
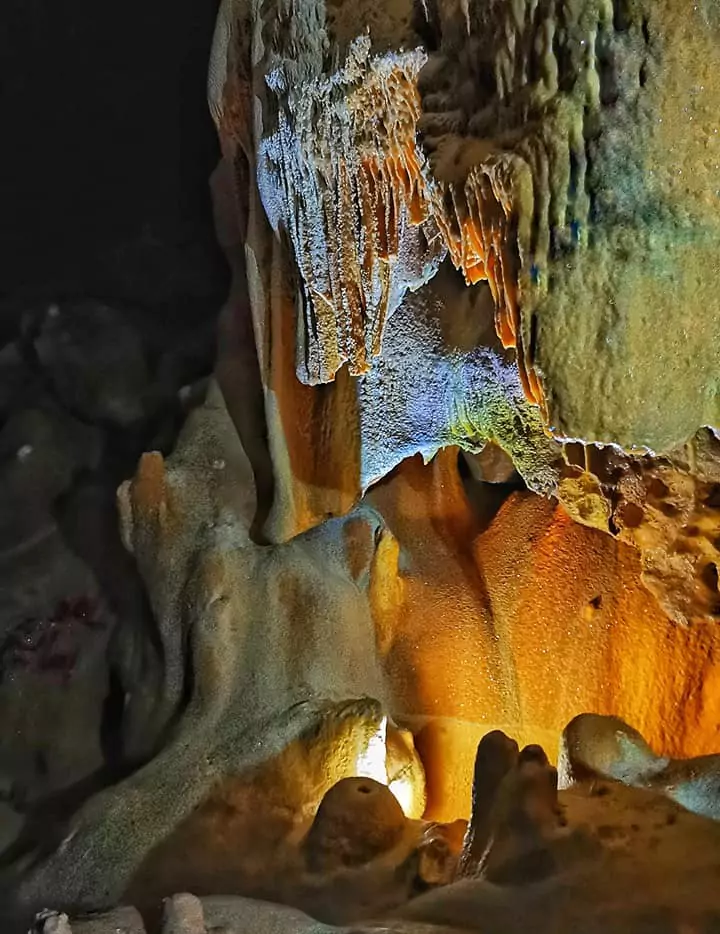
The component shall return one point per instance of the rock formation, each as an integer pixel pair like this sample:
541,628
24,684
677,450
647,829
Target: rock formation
537,148
600,856
456,475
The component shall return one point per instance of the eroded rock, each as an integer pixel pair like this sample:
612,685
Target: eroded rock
183,914
496,755
628,860
550,139
606,747
358,819
126,920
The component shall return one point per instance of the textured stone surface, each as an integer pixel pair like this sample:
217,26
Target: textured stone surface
442,624
126,920
666,508
328,444
292,626
551,142
357,820
545,175
531,619
55,923
496,755
606,747
183,914
258,680
599,856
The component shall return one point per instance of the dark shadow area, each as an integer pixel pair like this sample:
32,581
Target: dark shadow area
107,150
111,283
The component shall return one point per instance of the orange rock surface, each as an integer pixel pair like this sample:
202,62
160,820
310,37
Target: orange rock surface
528,622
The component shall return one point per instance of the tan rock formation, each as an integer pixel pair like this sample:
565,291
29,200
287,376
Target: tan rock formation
530,620
357,820
337,186
667,508
332,596
604,747
599,856
409,600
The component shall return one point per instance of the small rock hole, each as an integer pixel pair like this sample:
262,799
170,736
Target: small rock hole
646,31
621,15
632,515
713,497
533,337
710,577
658,489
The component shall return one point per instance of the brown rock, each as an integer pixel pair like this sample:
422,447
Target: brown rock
496,755
605,747
357,820
594,747
524,821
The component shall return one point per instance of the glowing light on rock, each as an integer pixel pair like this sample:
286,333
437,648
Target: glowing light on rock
404,792
371,762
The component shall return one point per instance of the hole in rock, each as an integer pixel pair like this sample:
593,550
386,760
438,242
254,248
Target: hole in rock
658,488
426,24
710,577
564,56
631,515
622,15
713,498
607,72
488,479
112,721
485,82
575,168
533,337
646,30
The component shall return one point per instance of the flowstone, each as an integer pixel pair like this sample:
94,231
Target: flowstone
476,223
243,682
598,857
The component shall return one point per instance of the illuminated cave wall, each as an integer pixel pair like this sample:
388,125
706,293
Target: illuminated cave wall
561,159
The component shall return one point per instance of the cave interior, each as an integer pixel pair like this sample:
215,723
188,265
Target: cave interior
360,467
